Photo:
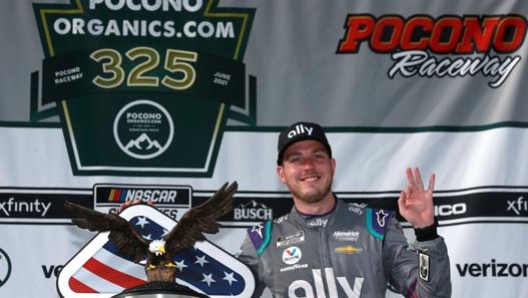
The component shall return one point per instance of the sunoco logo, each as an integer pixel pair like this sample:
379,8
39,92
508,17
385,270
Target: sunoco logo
143,129
253,211
5,267
412,40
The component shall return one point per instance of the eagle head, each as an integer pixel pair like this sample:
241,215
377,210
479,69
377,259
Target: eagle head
157,247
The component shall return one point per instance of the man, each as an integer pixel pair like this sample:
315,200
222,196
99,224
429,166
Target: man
325,248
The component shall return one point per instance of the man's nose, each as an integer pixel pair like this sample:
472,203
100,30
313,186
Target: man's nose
308,163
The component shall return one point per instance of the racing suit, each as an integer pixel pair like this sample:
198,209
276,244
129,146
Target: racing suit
350,252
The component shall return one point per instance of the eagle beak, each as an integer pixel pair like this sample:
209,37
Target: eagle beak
162,249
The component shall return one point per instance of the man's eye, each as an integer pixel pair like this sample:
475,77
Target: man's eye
294,159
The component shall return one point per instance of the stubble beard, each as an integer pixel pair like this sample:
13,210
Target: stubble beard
312,196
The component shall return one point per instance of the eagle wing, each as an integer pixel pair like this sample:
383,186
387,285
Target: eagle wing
122,234
200,219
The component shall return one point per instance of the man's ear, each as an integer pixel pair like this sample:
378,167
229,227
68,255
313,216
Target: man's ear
280,173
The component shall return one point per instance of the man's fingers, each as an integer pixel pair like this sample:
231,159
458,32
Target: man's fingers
418,178
410,178
402,201
431,182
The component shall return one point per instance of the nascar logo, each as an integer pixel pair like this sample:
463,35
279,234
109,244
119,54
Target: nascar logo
154,195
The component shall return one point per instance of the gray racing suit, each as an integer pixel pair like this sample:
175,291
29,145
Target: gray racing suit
350,252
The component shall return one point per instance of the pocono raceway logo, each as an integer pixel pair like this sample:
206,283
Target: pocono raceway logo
416,43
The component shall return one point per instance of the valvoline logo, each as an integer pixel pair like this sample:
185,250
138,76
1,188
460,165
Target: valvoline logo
413,41
291,255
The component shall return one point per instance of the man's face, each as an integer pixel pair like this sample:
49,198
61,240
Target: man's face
307,170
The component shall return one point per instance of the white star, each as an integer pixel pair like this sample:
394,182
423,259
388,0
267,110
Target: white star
258,229
165,232
208,279
381,215
142,221
229,277
181,265
148,237
201,260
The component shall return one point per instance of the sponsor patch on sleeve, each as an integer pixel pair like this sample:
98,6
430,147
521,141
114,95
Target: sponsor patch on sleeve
378,222
260,236
424,267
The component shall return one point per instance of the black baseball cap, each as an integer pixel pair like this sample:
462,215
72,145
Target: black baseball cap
301,131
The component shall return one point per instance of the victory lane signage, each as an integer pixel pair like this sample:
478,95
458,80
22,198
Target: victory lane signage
142,87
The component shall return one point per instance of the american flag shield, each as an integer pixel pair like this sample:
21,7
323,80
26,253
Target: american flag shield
100,271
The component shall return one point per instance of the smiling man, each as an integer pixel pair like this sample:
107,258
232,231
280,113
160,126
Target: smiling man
325,248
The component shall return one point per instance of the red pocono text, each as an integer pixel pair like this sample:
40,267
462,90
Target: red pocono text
446,34
412,41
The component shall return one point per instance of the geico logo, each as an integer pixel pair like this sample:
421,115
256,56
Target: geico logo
156,196
144,116
305,289
252,213
446,210
493,269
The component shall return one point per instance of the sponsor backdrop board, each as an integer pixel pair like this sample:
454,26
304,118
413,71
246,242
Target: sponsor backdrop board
104,101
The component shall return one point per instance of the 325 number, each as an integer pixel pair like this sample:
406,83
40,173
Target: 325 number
176,62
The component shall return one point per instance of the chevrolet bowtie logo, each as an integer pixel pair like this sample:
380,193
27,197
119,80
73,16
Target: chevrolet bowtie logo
348,249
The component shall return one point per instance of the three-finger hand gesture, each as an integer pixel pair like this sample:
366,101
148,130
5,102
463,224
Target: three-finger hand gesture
416,202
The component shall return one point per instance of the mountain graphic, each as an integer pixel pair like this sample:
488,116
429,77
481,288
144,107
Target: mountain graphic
252,204
143,145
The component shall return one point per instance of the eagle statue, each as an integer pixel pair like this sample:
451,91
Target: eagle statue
159,266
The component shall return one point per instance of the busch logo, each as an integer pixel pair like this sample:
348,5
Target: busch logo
305,289
253,211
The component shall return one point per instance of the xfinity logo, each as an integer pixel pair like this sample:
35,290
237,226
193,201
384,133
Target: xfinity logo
12,206
518,206
299,130
329,285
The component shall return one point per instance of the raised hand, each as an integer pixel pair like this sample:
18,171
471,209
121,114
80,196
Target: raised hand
415,202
